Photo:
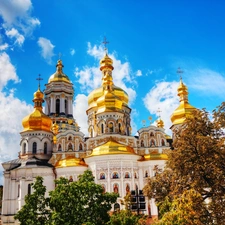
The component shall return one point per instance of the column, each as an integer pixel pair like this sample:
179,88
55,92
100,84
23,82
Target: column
52,105
62,104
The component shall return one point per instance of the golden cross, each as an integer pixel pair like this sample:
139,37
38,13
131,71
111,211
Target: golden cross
105,42
60,55
39,79
179,71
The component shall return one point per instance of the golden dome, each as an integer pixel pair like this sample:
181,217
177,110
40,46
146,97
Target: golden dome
37,120
160,123
184,109
59,75
70,161
112,147
108,97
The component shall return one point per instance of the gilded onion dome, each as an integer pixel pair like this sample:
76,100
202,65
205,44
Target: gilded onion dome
184,109
112,147
70,161
108,97
59,75
37,120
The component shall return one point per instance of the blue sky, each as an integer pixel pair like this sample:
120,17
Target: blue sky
148,39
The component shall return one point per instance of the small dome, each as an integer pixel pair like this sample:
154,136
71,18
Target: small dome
37,120
59,75
160,123
70,161
184,109
112,147
106,62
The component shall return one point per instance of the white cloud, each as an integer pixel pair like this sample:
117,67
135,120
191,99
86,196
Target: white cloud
46,49
7,71
4,47
72,51
139,73
14,34
163,96
79,108
16,15
12,113
207,81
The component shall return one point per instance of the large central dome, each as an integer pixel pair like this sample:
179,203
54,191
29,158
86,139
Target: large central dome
108,97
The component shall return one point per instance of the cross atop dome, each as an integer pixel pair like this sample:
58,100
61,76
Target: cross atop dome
105,42
39,79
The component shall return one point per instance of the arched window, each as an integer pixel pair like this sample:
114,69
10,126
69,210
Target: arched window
110,127
116,188
70,147
66,107
152,143
29,189
115,175
24,148
80,147
163,142
151,135
45,148
142,143
34,148
102,128
57,106
127,175
70,138
59,147
127,188
102,176
103,187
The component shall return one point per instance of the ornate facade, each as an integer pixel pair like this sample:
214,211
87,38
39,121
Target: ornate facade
52,144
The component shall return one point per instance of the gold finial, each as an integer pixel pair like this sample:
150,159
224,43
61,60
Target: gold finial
180,71
105,42
144,123
39,79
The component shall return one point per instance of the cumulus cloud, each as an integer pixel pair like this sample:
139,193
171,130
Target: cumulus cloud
72,51
14,34
7,71
46,49
12,113
16,15
163,96
79,108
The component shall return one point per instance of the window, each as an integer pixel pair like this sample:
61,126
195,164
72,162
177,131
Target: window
34,148
127,175
119,127
24,148
80,147
102,176
66,107
59,147
163,142
111,127
70,147
45,148
142,143
102,128
115,175
57,107
152,143
116,207
70,138
18,194
29,189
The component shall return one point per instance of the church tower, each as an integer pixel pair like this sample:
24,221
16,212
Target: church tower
108,111
183,110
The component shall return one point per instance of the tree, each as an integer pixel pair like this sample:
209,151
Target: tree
81,202
194,177
35,210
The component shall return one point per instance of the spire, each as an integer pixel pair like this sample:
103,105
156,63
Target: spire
38,96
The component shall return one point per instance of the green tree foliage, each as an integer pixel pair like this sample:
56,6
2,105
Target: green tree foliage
81,202
35,211
191,189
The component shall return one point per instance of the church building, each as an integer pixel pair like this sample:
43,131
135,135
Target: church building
53,146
